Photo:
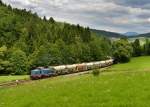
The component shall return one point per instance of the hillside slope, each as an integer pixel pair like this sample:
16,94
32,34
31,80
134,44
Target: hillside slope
131,34
141,35
28,41
107,34
144,35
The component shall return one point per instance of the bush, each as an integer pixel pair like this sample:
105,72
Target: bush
96,72
122,51
121,56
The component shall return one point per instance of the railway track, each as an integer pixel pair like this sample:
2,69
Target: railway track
19,82
13,83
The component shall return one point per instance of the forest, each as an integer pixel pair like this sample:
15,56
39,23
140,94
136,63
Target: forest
28,41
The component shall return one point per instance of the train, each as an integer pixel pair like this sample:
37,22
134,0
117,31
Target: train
45,72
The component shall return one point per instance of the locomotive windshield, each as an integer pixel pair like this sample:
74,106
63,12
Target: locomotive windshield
35,72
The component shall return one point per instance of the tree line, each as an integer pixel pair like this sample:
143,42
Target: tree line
124,49
140,50
28,41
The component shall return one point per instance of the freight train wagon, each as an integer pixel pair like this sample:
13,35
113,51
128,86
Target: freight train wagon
68,69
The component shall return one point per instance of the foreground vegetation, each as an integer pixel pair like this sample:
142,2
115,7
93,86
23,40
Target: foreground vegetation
123,85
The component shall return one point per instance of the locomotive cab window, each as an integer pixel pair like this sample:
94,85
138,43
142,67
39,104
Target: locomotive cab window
35,72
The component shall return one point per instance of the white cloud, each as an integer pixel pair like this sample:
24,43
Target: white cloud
115,15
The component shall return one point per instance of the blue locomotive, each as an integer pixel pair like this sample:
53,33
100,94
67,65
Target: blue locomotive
41,72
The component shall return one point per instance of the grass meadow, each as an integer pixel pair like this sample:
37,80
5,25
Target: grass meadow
122,85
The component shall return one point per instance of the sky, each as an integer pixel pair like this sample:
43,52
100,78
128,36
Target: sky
110,15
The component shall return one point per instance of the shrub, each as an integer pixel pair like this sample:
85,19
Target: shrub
122,51
96,72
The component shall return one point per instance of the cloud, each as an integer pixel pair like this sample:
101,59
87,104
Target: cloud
112,15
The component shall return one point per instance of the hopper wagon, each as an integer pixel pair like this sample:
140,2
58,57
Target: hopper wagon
42,72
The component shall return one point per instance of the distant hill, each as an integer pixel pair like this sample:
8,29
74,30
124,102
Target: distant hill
141,35
107,33
144,35
131,34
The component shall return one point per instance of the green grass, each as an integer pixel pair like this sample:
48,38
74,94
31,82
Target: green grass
11,78
123,85
136,64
